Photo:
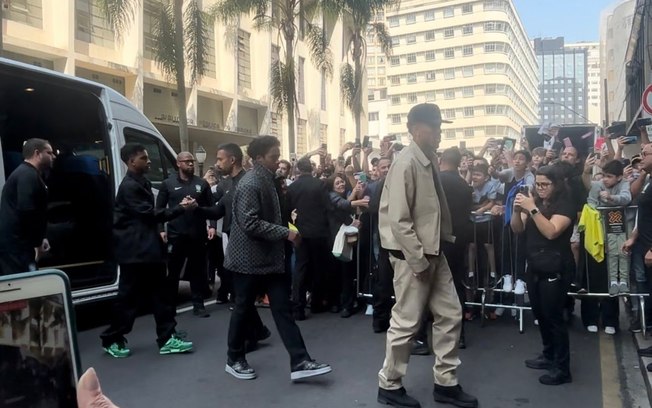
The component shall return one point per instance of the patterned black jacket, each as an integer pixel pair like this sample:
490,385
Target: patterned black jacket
256,243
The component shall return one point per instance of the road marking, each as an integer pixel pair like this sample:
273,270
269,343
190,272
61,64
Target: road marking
611,397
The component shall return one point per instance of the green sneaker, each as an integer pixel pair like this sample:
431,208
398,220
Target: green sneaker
117,350
175,345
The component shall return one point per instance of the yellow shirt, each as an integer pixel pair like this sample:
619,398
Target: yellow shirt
591,224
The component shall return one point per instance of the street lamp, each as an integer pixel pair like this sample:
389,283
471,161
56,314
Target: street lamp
200,155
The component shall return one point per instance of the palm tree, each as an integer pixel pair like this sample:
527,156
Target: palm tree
360,18
286,16
180,39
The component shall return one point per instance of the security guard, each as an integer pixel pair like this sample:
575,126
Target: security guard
186,235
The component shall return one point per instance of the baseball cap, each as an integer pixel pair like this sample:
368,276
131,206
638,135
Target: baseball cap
427,113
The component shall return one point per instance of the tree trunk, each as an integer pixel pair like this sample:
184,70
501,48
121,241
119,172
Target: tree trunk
289,64
180,75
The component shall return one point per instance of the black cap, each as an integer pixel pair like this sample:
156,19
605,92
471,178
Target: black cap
427,113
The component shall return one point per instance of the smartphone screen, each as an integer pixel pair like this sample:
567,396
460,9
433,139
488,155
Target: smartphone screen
365,141
37,354
567,142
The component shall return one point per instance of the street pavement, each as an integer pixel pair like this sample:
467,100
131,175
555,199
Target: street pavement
492,367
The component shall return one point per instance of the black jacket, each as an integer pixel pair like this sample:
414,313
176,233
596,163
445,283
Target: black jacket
340,212
224,209
459,196
309,196
190,224
23,210
136,222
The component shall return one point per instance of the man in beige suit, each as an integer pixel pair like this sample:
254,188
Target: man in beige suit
413,221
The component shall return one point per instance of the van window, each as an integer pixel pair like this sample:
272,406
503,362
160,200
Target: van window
162,161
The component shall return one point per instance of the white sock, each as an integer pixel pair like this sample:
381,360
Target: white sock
614,283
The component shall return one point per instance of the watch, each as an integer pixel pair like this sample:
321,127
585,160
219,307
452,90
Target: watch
534,211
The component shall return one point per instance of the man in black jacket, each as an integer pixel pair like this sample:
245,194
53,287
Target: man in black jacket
23,210
186,235
308,196
256,255
140,252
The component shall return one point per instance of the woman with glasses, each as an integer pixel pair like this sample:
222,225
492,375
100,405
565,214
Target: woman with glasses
546,218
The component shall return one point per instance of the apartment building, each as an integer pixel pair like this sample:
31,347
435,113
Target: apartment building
593,83
231,103
471,57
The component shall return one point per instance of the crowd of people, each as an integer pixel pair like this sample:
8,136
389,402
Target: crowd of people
418,230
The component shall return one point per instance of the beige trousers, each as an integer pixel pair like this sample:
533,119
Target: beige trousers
412,296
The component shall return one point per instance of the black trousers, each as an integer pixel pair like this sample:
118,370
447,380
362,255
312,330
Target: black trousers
246,289
192,252
312,261
595,309
141,284
548,298
349,276
383,289
215,257
17,261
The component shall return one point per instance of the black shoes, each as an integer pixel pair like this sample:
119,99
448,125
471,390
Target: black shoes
555,377
539,363
200,311
240,369
454,395
420,348
397,398
646,352
462,344
346,313
380,326
309,368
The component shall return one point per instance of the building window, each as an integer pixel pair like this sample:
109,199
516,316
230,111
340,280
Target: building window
430,55
490,89
342,135
467,91
411,18
469,133
493,5
412,78
373,116
430,96
429,15
490,47
383,92
468,112
490,110
411,39
273,124
396,80
395,60
28,12
430,76
449,73
467,30
412,58
449,12
396,42
449,94
210,53
244,63
92,26
323,134
468,50
393,21
467,71
449,32
370,95
430,35
396,119
449,113
396,100
301,92
412,98
449,53
302,139
467,8
323,91
449,134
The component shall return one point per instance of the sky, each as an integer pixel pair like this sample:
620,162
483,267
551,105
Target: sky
575,20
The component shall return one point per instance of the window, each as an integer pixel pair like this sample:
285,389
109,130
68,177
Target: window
430,55
301,92
323,92
210,52
449,94
396,42
449,12
395,61
393,21
467,50
412,98
412,78
396,100
467,91
411,39
412,58
430,96
430,76
302,139
490,47
273,124
411,18
490,110
449,53
467,71
468,112
92,26
383,92
396,80
162,164
370,95
396,119
449,73
429,15
449,134
244,63
490,89
469,133
467,8
373,116
449,113
430,35
381,60
449,32
28,12
467,30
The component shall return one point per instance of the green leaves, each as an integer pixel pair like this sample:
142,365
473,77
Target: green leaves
320,54
119,14
195,40
282,86
165,49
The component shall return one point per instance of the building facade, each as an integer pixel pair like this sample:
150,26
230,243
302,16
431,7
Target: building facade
593,80
231,102
470,57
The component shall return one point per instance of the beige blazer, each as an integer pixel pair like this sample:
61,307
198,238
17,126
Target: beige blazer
413,214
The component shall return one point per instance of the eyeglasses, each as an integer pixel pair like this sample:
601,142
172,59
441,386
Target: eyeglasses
543,185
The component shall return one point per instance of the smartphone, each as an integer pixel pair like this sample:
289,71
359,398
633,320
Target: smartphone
361,177
509,144
631,139
370,144
293,157
525,190
365,141
357,143
616,130
324,146
391,138
38,347
567,142
643,122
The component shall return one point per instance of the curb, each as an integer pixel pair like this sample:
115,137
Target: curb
642,343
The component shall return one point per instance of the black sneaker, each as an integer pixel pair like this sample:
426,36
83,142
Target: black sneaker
240,369
420,348
397,398
309,368
264,334
380,326
539,363
646,352
649,367
555,377
200,311
454,395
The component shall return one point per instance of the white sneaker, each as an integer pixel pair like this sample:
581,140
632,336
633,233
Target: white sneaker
592,329
507,283
536,322
499,311
520,287
610,330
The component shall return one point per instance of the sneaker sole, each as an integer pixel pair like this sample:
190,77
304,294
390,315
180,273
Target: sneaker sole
238,375
175,351
116,355
299,375
453,401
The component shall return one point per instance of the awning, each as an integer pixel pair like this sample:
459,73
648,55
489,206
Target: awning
207,138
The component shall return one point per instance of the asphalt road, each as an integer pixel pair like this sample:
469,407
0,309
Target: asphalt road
492,367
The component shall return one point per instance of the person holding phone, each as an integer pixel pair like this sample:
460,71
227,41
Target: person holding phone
23,210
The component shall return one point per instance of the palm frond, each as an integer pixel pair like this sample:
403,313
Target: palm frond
348,85
320,54
229,10
165,52
382,36
118,13
196,45
282,85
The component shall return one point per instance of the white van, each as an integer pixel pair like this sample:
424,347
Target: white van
86,123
